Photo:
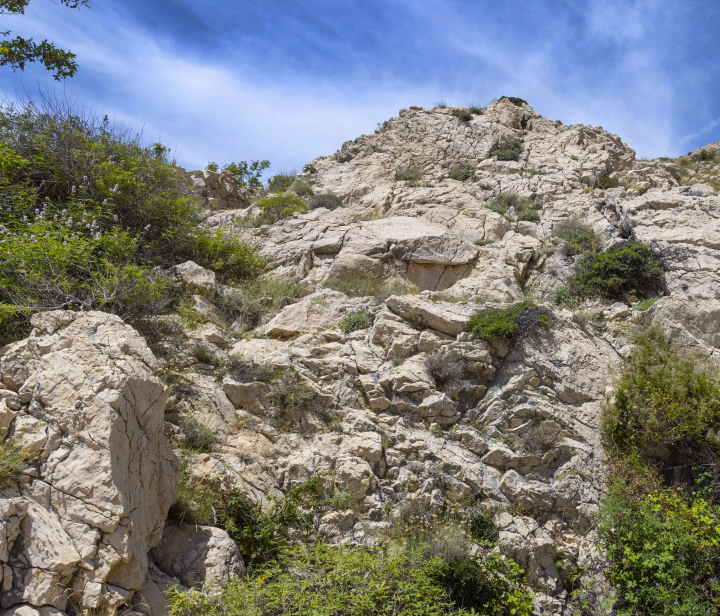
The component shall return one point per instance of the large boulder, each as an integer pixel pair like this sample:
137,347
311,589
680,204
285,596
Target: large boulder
78,526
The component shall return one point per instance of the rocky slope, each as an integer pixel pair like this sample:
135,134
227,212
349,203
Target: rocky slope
519,424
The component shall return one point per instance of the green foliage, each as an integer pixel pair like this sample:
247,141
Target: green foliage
198,437
302,188
518,102
18,52
664,550
476,108
664,394
277,207
246,173
483,241
246,370
481,525
326,580
705,155
525,209
204,355
355,321
89,215
462,173
509,323
509,150
281,182
291,392
464,115
606,182
624,269
441,104
409,174
328,200
12,460
646,303
579,237
357,283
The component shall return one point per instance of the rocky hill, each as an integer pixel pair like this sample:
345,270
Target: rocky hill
354,362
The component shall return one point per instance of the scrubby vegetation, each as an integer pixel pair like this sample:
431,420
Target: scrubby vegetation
524,209
661,521
462,173
509,323
509,150
12,460
444,370
624,269
409,174
464,115
606,182
281,182
246,173
362,284
198,438
328,200
245,370
88,213
578,236
275,208
355,321
518,102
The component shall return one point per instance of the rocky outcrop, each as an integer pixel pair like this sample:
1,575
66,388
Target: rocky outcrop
218,190
76,529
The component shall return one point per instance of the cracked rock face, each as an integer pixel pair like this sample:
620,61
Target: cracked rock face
77,528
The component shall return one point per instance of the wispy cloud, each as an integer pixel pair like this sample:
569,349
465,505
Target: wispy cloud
289,81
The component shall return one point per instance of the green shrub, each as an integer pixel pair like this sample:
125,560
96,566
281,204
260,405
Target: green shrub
483,241
666,395
246,370
88,212
462,173
481,525
664,551
276,208
12,460
579,237
646,303
409,174
525,209
198,437
246,173
462,114
326,580
518,102
509,150
281,182
509,323
357,283
476,108
328,200
441,104
606,182
291,392
705,155
624,269
302,188
355,321
444,370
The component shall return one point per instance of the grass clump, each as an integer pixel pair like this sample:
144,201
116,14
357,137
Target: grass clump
509,323
204,354
464,115
276,208
291,392
483,241
579,237
302,188
281,182
646,303
409,174
509,150
353,322
327,200
361,284
518,102
606,182
441,104
705,155
12,460
444,370
525,209
246,370
626,268
462,173
198,438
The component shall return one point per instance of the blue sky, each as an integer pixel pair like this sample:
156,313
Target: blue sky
288,81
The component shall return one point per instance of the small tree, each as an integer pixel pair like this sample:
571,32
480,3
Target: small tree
19,51
246,173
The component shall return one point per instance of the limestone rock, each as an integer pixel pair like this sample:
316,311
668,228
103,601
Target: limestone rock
80,526
196,279
198,554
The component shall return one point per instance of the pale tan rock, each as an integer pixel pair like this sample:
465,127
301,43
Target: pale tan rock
366,445
196,555
249,396
196,279
305,316
107,475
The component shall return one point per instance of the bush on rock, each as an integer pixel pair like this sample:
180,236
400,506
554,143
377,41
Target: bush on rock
509,323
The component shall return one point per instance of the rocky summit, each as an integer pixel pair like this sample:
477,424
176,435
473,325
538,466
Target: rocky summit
358,364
